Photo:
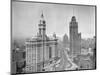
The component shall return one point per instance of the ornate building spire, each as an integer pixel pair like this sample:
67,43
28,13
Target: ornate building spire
42,15
73,22
42,21
42,25
73,19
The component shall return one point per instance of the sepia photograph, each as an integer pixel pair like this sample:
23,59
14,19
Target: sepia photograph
52,37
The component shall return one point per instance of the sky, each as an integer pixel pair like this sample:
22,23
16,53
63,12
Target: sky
26,17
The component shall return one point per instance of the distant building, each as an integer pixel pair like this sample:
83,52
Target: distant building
75,38
40,49
65,41
18,60
85,62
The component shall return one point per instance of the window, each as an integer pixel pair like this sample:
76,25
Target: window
24,54
50,52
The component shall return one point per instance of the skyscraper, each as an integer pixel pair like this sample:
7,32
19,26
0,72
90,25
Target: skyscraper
65,41
40,49
75,38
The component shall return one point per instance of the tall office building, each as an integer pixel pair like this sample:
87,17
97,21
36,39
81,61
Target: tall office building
65,41
40,49
75,38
